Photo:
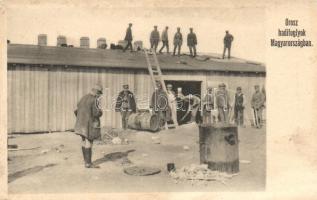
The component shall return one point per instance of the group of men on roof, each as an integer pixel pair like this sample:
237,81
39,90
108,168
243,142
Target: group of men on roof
177,41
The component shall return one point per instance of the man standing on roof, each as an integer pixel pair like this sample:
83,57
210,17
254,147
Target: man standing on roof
257,104
128,38
126,105
88,122
159,104
165,40
227,40
178,41
192,42
154,38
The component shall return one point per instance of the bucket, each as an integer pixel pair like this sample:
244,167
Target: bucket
143,121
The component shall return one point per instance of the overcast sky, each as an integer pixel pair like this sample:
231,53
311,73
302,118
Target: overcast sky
246,25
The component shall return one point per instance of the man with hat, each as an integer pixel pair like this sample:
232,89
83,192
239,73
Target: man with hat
165,40
173,103
125,104
154,38
208,106
128,37
88,122
159,103
222,103
178,41
257,104
227,40
192,42
239,103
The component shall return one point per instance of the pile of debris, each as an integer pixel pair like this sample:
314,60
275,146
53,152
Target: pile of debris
113,136
199,173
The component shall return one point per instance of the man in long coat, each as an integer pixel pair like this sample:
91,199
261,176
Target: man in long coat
128,37
178,41
88,122
154,38
125,104
257,104
159,104
227,40
192,42
239,102
223,103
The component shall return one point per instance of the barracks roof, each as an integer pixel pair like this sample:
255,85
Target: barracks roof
50,55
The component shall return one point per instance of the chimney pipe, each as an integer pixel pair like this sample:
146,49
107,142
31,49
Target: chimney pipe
84,42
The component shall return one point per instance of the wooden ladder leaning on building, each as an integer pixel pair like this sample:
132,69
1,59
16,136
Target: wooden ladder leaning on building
156,75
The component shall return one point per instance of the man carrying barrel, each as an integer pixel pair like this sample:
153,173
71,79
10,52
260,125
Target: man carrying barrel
159,104
88,122
257,104
125,104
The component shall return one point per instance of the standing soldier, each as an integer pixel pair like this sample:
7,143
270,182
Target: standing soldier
154,38
227,40
257,104
159,103
128,38
88,123
126,105
222,101
172,99
178,41
192,42
208,106
239,103
165,40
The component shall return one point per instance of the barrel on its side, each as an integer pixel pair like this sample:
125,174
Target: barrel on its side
219,147
143,121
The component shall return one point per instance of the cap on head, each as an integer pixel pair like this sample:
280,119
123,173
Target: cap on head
130,24
178,28
239,88
227,31
191,29
166,27
256,86
98,88
125,86
222,85
155,26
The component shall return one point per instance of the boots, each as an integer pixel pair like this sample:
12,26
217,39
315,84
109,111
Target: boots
87,157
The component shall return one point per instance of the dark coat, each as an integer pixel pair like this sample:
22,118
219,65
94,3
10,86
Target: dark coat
128,35
87,117
159,100
227,40
191,39
178,39
222,99
130,99
238,102
257,100
155,36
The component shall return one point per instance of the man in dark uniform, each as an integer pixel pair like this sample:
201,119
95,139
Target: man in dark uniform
154,38
227,40
178,41
128,37
238,107
159,103
125,104
88,122
192,42
222,102
165,40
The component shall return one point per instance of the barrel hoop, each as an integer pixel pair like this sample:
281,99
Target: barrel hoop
229,167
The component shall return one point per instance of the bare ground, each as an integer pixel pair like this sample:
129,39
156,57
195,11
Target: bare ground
57,165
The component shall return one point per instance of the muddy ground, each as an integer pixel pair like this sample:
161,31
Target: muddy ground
56,165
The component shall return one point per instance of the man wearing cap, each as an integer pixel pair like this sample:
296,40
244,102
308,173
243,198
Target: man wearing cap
165,40
154,38
125,104
257,104
172,100
227,40
178,41
88,122
192,42
222,102
208,106
128,37
159,103
239,103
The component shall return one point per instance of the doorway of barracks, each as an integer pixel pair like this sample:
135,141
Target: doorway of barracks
188,87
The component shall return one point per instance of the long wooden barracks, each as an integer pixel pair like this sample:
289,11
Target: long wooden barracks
46,82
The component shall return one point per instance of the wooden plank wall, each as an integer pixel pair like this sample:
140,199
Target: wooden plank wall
44,98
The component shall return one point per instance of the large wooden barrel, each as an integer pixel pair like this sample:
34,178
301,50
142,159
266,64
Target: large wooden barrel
143,121
219,147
